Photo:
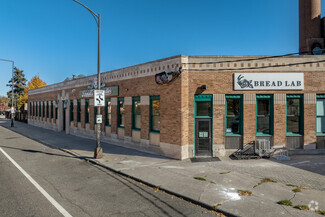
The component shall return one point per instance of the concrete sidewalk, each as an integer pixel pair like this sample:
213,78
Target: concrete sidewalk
215,184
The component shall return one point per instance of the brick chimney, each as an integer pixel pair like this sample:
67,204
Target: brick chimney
310,28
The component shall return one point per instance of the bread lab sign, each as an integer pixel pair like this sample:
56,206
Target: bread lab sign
269,81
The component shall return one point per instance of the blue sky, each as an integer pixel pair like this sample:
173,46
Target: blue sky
55,39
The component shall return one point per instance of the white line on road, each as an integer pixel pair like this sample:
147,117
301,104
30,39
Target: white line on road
51,199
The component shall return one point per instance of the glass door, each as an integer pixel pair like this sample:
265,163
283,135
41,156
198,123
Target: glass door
203,137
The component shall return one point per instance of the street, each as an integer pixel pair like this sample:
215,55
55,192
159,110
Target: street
80,188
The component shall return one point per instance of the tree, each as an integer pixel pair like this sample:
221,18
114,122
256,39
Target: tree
4,99
19,86
34,83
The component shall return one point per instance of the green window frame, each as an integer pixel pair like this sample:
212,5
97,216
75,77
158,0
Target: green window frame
36,110
234,112
51,109
40,109
71,110
294,114
320,114
43,109
120,113
266,114
203,101
78,111
108,112
47,109
87,111
95,113
155,114
56,109
136,113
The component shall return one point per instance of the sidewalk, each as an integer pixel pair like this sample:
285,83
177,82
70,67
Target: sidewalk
212,183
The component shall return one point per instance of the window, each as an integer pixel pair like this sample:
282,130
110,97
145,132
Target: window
294,114
43,114
30,109
264,114
320,114
120,112
234,116
40,109
155,113
47,109
108,112
87,111
78,110
136,113
56,109
36,109
51,109
95,114
71,110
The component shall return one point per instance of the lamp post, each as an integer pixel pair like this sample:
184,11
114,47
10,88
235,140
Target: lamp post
12,89
98,151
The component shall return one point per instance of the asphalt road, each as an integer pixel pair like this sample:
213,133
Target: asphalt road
72,186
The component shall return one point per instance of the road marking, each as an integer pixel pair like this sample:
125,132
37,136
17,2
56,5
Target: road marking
51,199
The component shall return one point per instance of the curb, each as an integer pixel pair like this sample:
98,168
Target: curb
95,162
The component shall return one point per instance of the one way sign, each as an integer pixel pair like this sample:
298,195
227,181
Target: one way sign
99,97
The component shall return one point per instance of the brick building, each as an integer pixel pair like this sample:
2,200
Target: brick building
216,105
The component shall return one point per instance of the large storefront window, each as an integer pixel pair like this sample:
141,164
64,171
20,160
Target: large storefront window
234,115
320,114
78,111
108,112
155,113
264,114
294,114
87,111
120,111
136,113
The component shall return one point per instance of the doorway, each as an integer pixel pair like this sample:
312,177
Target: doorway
203,125
203,137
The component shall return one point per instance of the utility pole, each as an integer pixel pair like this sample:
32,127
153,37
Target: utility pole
12,90
98,153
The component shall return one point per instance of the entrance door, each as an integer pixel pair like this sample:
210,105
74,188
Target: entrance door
203,137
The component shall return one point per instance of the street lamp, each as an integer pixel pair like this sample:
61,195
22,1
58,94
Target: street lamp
98,151
12,90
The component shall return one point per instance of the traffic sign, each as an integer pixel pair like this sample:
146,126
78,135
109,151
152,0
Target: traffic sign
12,110
99,97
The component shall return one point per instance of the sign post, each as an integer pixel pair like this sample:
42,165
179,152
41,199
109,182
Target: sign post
99,101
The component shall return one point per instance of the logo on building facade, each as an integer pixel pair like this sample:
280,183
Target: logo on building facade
268,81
243,83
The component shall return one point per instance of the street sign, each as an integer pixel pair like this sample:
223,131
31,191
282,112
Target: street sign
99,97
99,119
12,110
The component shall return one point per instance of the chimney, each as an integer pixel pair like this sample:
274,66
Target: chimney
310,35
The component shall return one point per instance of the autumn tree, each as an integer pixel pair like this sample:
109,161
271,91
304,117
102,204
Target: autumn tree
34,83
4,99
19,86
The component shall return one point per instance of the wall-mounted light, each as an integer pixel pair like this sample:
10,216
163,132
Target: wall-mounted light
203,87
